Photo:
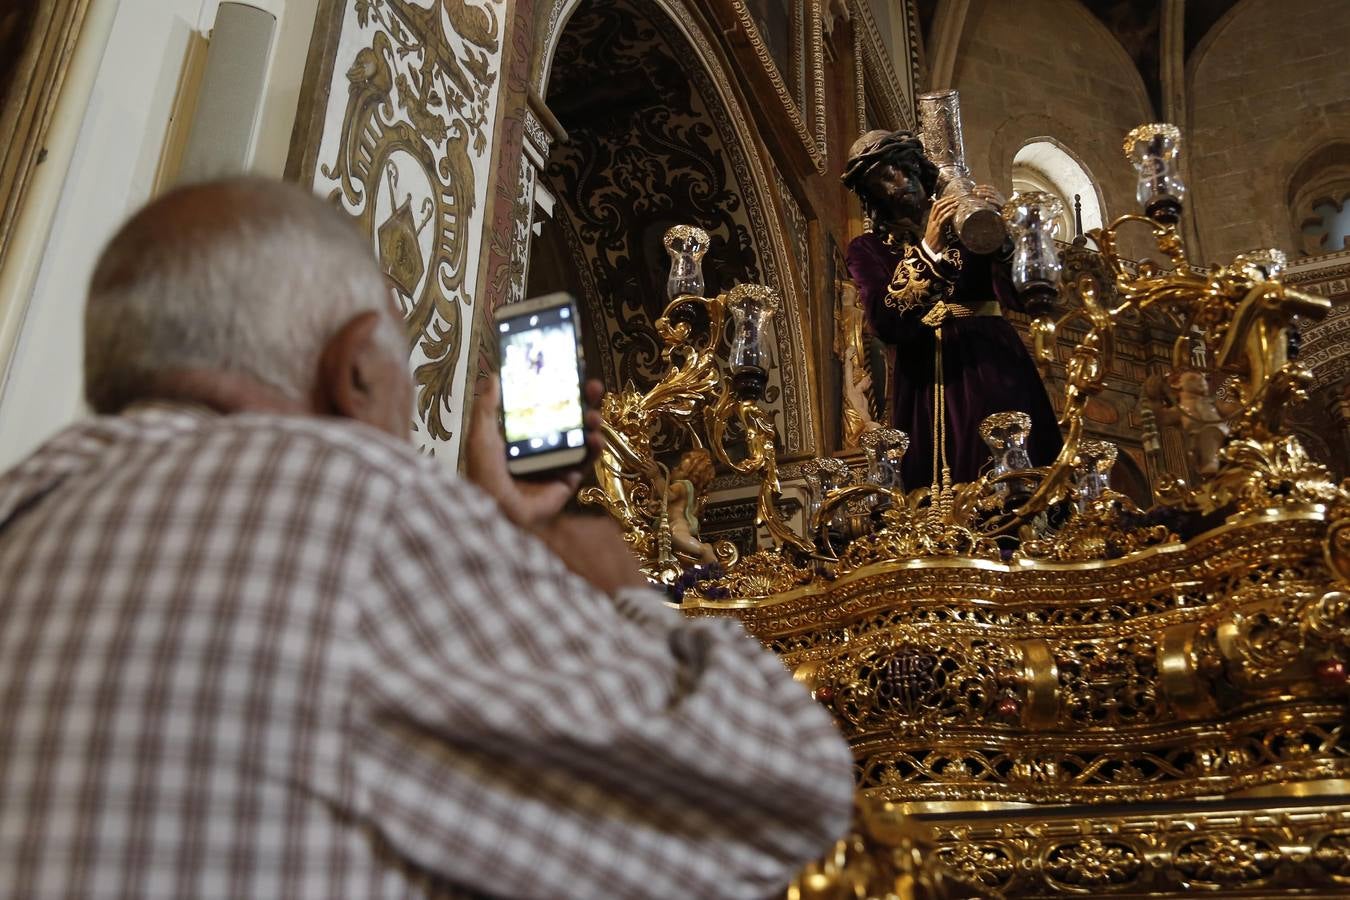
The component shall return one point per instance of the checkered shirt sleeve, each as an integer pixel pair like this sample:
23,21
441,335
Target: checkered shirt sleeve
555,736
266,657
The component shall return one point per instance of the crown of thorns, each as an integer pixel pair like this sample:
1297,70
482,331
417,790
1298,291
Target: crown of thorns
902,148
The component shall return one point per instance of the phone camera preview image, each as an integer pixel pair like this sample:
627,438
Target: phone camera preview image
541,389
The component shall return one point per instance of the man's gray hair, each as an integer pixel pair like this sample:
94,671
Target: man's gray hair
246,276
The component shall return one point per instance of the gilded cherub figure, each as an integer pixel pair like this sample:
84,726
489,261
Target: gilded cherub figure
686,490
1184,400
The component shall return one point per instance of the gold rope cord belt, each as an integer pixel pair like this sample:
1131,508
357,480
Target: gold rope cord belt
941,312
957,311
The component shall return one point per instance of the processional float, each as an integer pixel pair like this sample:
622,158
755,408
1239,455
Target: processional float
1048,690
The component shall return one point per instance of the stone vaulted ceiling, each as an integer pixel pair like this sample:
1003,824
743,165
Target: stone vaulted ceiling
1136,25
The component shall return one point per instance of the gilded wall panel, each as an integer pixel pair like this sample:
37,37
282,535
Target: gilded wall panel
402,100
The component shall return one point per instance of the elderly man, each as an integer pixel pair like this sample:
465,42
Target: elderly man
957,360
253,645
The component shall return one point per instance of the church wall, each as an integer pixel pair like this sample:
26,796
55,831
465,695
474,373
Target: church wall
1041,68
1268,87
112,172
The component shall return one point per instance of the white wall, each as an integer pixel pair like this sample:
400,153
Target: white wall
111,174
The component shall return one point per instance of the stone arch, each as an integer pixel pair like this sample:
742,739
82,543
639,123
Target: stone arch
1206,43
1321,175
1256,117
752,180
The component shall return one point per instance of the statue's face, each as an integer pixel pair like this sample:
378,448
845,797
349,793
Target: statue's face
897,188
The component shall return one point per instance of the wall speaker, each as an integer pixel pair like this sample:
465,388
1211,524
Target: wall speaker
235,74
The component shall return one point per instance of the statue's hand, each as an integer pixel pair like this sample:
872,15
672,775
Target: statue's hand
989,194
935,233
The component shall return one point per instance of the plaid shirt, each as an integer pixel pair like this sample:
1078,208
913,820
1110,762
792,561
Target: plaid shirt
280,657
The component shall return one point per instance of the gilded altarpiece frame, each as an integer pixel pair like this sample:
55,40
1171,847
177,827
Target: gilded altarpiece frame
397,128
38,40
801,89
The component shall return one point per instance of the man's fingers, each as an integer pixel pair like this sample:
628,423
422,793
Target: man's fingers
489,399
549,497
561,489
593,420
595,392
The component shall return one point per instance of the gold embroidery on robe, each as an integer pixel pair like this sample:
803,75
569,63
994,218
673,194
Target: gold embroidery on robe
910,285
917,282
952,257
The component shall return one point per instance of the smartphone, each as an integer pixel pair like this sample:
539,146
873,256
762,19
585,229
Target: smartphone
542,374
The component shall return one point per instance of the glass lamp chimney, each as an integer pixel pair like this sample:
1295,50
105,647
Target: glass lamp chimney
686,245
1154,152
752,307
1034,217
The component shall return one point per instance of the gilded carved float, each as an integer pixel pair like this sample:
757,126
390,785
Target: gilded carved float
1048,690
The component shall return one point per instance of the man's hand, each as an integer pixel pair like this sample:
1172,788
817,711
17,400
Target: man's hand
529,504
935,233
593,547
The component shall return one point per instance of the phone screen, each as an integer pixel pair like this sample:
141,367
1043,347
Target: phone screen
541,382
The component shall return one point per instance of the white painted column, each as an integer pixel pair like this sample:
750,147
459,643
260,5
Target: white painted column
114,151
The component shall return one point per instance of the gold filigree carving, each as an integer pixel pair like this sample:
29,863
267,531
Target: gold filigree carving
692,401
1110,527
1092,863
1226,861
760,574
417,114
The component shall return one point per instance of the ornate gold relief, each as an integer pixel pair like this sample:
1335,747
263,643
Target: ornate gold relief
1280,849
407,162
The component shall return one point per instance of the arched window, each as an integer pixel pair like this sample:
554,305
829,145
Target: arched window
1319,199
1045,165
1328,228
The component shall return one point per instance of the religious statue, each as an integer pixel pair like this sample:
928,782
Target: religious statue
938,306
685,491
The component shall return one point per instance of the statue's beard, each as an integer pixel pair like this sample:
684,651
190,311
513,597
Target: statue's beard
905,215
908,207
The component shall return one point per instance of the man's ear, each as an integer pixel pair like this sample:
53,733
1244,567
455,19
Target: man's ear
349,371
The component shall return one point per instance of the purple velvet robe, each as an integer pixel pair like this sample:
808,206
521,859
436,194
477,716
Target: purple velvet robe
986,368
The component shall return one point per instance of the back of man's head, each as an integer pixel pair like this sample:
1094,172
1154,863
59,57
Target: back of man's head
247,276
